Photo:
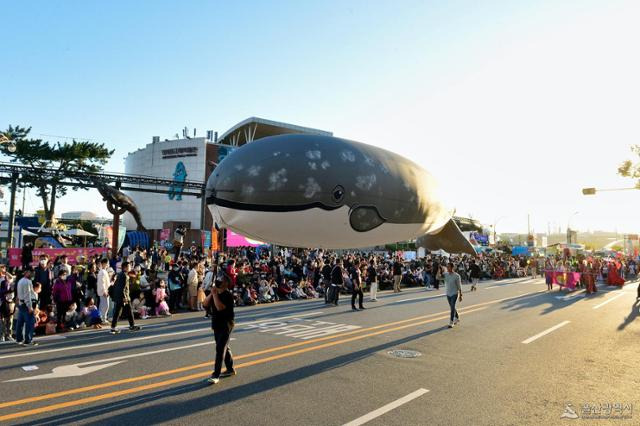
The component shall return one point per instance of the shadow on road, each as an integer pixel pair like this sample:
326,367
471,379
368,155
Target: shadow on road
635,310
550,299
164,409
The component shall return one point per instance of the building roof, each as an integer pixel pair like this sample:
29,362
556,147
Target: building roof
255,128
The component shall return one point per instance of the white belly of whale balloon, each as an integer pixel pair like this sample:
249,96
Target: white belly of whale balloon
330,229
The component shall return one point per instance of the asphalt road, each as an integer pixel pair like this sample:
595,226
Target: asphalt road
519,356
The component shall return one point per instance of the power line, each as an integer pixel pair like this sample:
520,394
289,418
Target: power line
66,137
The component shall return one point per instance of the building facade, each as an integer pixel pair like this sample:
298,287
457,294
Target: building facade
179,159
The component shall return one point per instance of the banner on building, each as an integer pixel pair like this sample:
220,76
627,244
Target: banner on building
206,241
165,234
237,240
73,253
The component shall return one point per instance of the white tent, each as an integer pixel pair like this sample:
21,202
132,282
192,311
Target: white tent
78,233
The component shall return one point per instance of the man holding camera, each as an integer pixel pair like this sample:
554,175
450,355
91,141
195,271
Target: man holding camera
220,304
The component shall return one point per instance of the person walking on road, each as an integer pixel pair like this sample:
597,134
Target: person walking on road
122,299
220,303
474,273
453,290
337,282
397,275
372,279
356,280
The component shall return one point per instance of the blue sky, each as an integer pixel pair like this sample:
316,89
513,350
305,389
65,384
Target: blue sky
513,106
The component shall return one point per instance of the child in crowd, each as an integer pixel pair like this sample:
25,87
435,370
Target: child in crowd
72,319
201,297
139,308
50,326
92,314
162,308
264,295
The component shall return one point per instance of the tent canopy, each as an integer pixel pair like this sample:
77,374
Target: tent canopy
79,233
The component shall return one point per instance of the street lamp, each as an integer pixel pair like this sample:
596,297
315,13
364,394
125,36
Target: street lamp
592,191
11,145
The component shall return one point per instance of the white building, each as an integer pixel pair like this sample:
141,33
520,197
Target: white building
162,160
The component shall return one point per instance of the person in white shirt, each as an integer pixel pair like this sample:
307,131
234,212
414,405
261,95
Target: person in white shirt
104,282
192,285
26,313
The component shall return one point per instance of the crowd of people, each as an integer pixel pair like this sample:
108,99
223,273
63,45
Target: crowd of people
57,296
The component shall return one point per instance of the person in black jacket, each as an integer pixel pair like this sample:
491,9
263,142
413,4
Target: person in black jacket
337,282
43,274
122,299
220,303
326,280
474,273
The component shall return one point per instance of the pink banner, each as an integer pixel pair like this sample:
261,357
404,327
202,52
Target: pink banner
237,240
164,234
74,253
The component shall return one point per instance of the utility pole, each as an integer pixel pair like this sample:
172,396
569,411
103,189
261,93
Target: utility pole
12,208
24,196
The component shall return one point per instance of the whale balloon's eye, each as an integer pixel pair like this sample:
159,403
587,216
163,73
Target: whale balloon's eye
338,193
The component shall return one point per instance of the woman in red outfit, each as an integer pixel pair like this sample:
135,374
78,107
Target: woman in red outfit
590,278
614,277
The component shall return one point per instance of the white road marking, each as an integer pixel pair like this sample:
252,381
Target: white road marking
135,339
417,298
301,328
76,370
493,286
66,371
611,299
30,367
385,409
544,333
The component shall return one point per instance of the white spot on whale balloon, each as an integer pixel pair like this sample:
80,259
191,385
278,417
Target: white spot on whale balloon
254,170
311,188
247,189
239,167
348,156
277,179
312,165
314,155
275,154
325,165
369,161
365,182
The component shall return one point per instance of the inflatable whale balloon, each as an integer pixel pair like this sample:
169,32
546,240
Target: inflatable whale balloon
319,191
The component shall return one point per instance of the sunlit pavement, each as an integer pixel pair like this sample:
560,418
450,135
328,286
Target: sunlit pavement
520,355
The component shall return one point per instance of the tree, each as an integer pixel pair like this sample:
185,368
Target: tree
74,157
630,169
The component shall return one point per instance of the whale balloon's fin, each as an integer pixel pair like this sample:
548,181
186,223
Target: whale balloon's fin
449,239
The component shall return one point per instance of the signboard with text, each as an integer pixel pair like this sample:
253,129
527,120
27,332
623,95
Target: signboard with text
74,253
